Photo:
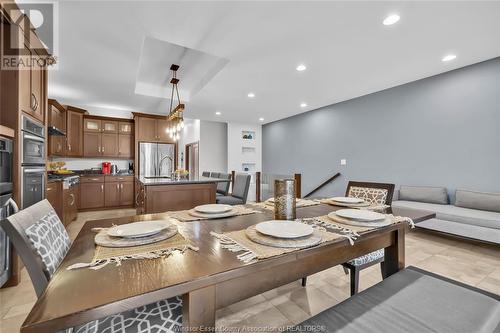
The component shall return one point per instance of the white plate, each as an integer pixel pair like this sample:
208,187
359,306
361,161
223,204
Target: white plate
348,200
213,208
138,229
380,223
230,213
360,215
284,229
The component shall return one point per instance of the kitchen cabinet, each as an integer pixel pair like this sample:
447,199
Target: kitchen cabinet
53,193
74,131
112,194
91,192
32,82
70,210
161,130
107,137
119,191
146,129
57,119
125,146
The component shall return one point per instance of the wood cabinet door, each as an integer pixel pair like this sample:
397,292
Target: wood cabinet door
109,144
125,146
54,196
37,84
109,126
161,129
92,125
146,129
57,143
91,144
92,195
126,127
74,134
25,85
126,193
112,194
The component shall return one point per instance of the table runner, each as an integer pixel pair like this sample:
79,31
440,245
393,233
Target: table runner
107,255
237,241
184,216
300,203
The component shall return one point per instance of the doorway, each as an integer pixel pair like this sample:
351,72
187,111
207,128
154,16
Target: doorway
192,158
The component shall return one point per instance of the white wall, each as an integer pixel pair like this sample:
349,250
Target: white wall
237,155
213,146
190,133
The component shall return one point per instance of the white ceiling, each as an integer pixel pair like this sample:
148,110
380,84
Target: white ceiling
346,48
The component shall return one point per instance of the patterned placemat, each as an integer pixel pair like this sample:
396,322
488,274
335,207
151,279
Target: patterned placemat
238,241
185,216
269,205
162,249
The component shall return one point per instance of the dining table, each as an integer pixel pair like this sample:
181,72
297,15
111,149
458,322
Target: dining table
208,279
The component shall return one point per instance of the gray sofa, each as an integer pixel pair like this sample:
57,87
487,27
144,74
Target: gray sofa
474,215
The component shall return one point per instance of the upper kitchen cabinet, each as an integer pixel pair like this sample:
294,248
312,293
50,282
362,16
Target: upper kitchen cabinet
150,128
57,128
74,131
108,137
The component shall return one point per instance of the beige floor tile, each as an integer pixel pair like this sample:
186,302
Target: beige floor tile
311,300
490,284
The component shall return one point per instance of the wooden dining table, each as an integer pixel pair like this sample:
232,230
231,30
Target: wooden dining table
208,279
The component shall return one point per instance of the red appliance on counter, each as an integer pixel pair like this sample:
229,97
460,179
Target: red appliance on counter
106,168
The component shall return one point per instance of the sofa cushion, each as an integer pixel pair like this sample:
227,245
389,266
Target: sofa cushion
481,218
461,229
437,195
478,200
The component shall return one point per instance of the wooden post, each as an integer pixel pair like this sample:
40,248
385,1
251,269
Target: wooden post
394,255
198,310
257,187
298,185
233,175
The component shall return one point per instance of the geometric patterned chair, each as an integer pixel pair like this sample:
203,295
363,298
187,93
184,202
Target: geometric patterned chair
377,194
42,242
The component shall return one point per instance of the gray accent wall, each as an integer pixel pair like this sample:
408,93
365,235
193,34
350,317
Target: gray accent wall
440,131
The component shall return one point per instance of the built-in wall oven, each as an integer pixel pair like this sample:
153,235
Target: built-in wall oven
33,162
7,205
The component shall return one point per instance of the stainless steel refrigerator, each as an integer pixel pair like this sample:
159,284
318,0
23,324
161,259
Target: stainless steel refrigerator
156,159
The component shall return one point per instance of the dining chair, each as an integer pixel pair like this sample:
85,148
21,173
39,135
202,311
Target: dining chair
205,173
223,187
376,194
214,174
239,195
42,243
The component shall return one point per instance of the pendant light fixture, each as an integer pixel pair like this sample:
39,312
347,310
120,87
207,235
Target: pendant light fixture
175,116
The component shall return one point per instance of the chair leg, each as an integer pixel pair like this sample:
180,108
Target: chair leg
304,281
354,280
382,270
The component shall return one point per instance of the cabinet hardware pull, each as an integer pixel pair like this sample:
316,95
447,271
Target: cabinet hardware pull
95,179
121,186
72,197
34,102
49,189
102,187
99,149
117,186
102,149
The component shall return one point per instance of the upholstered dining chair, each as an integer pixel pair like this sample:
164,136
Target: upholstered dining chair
42,242
214,174
205,173
241,185
376,194
223,187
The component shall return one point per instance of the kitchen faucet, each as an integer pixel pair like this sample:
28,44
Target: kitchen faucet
171,165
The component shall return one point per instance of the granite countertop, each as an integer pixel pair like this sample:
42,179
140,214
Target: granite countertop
169,181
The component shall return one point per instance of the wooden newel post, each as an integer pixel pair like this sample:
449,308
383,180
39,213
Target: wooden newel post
257,187
298,185
233,175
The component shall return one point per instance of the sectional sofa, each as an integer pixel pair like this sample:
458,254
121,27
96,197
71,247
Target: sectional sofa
473,215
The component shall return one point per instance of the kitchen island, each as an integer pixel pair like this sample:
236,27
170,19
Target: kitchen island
157,195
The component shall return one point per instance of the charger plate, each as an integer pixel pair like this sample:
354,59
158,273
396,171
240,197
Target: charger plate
360,215
343,204
103,239
381,223
302,242
194,213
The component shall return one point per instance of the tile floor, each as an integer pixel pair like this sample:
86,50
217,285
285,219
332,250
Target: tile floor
472,263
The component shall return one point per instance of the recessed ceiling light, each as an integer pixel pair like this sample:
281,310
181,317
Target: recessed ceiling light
251,95
261,119
449,57
217,113
303,105
301,67
391,19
